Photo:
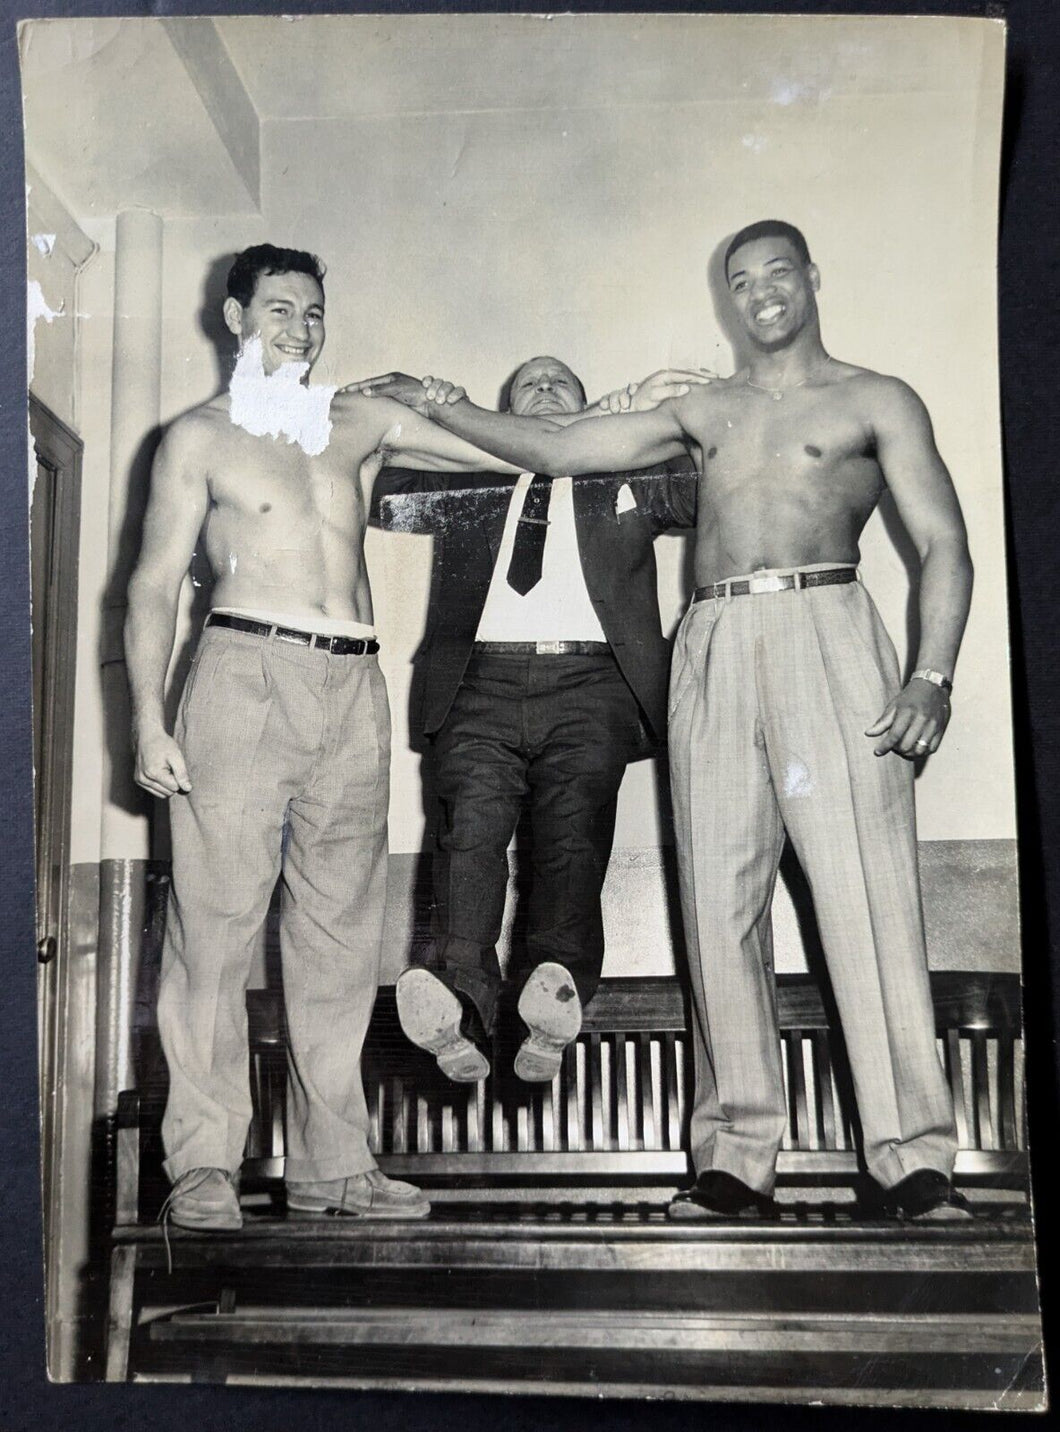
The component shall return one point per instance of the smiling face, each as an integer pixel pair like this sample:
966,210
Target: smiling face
545,385
287,311
773,290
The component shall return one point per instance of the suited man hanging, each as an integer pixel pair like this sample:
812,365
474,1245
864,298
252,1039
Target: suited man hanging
542,674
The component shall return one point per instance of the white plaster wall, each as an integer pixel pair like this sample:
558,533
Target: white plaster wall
96,319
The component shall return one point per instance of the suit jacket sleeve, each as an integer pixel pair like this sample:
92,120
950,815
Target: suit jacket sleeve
668,494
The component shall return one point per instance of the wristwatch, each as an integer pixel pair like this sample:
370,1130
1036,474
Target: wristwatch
935,677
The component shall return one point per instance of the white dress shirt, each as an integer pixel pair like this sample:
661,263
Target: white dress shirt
558,607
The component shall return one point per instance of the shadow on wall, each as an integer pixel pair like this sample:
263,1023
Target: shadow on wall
116,712
211,318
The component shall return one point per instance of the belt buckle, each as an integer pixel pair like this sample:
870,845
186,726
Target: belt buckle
757,586
549,648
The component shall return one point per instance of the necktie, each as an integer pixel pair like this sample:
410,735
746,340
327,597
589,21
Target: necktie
528,550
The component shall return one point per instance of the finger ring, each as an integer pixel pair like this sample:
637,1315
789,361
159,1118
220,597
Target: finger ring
924,744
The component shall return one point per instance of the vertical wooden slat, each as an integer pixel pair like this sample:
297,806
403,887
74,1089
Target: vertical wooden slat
984,1124
595,1090
671,1069
423,1127
119,1324
683,1048
787,1139
797,1096
955,1073
619,1093
448,1127
550,1114
476,1105
400,1106
825,1097
258,1125
278,1139
1007,1121
645,1079
377,1115
127,1172
497,1122
658,1092
805,1046
572,1059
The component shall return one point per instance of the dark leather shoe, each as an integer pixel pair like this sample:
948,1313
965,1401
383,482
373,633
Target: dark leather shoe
927,1196
717,1194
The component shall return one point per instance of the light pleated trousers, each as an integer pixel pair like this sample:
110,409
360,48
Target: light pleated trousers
288,750
770,697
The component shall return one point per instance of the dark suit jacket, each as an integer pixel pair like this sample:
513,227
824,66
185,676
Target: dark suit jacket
466,513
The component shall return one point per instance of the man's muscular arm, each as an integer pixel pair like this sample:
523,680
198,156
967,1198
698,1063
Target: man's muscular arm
612,443
175,514
923,491
408,439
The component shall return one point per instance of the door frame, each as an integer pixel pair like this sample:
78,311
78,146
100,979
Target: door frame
58,449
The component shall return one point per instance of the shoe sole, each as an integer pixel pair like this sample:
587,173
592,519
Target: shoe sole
430,1015
551,1010
944,1213
295,1210
695,1213
205,1223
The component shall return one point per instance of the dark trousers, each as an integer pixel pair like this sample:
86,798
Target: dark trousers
560,731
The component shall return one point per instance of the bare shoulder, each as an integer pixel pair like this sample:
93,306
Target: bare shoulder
707,394
702,399
361,420
196,431
885,398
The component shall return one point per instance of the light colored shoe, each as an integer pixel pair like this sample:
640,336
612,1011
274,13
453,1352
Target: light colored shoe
203,1199
364,1195
551,1010
430,1014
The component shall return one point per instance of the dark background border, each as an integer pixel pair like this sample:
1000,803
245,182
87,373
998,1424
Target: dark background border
1029,279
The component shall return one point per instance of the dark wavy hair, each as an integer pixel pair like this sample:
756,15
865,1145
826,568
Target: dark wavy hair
768,229
265,259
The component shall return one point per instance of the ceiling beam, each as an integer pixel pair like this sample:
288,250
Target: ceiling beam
209,65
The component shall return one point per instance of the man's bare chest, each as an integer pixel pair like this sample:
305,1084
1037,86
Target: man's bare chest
799,444
269,477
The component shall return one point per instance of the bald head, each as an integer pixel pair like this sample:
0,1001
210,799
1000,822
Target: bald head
544,385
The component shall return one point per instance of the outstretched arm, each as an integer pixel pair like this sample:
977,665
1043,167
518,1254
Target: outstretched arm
175,513
408,439
615,443
914,723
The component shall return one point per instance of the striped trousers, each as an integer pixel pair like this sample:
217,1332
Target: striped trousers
770,697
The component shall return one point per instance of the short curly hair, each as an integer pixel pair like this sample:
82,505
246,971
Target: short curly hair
261,259
768,229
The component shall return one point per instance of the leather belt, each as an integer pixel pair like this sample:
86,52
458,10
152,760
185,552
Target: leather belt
336,645
542,648
774,582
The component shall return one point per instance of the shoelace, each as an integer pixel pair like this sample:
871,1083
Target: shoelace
184,1184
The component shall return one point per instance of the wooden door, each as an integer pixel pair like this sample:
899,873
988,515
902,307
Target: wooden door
55,508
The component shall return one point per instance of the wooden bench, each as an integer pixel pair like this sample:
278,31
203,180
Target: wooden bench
564,1184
